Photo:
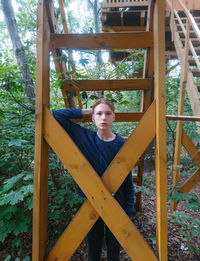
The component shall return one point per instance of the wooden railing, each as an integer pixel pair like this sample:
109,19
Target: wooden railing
124,3
185,78
189,22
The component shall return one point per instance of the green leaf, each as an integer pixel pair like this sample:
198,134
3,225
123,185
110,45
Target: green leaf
193,249
153,237
16,242
8,258
10,183
6,212
27,258
13,197
3,233
17,143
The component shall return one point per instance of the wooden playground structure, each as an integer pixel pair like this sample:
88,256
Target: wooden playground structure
138,24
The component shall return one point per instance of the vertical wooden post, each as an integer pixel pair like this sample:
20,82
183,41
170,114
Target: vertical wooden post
177,154
161,171
40,197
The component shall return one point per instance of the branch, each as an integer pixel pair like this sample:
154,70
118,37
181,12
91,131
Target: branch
172,68
20,104
29,10
99,10
92,5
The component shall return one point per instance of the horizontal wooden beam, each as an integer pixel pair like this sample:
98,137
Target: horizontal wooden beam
191,148
103,85
136,116
191,182
182,118
103,40
107,28
120,117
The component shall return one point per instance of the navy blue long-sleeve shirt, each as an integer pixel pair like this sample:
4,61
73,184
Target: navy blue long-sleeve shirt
98,152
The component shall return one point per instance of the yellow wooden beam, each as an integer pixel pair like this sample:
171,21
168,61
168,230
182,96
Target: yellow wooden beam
41,147
191,148
182,118
103,40
118,169
107,28
148,69
121,117
160,150
103,85
191,182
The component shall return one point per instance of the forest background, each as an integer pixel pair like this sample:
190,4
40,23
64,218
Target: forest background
17,107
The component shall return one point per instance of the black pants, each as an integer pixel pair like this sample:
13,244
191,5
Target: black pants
95,241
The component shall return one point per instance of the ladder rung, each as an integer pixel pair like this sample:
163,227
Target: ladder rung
195,72
197,50
121,117
191,61
194,41
136,179
103,40
103,85
107,28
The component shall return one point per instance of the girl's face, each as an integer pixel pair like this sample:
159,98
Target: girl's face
103,116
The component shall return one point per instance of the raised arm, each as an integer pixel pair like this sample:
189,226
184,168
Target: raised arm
64,116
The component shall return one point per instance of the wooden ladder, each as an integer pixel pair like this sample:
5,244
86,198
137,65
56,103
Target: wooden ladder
48,133
186,36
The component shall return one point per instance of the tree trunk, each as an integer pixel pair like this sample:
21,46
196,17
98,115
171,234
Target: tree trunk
95,10
18,48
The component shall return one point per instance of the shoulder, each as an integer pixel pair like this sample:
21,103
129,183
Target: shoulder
119,139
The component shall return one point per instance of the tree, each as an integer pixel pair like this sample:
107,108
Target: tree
19,51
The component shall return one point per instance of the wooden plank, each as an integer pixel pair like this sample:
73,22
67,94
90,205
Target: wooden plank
41,156
182,118
190,85
160,161
148,61
113,85
103,40
191,182
60,65
179,126
119,167
127,3
106,28
121,117
66,31
191,149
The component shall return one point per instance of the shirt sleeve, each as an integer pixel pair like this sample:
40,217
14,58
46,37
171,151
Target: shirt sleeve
64,116
129,190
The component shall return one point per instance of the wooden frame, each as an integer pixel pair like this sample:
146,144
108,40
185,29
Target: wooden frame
100,202
120,3
186,83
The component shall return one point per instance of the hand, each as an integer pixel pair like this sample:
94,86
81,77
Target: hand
86,113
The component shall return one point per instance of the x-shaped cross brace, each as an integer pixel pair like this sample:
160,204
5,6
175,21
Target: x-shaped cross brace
100,202
195,155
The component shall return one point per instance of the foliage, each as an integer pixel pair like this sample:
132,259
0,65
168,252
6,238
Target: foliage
188,224
17,128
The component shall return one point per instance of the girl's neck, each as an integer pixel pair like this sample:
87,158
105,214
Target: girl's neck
107,135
